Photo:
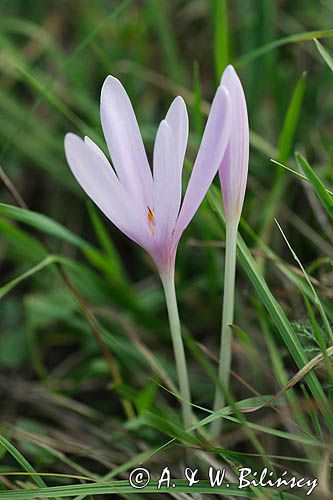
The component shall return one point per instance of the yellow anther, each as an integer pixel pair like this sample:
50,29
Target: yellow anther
151,220
151,215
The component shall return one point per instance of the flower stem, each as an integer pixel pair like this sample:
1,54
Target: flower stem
178,347
227,320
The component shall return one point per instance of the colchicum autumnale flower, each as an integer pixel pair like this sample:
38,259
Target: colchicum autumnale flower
233,176
146,205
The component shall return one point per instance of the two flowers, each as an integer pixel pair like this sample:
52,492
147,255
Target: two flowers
147,205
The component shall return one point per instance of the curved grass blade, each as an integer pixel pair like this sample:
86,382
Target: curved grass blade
324,54
286,141
287,135
41,222
22,461
264,49
297,174
315,295
316,183
49,226
50,259
123,487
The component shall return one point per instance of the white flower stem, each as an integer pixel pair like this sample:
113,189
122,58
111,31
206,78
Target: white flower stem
178,346
227,320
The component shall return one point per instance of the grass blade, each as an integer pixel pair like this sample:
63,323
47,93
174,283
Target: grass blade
41,222
264,49
324,54
286,141
291,120
50,259
123,487
221,36
316,183
22,461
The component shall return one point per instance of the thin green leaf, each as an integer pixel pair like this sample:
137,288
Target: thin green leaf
315,295
287,135
286,141
197,104
41,222
316,183
22,461
324,54
264,49
297,174
123,487
221,36
50,259
169,428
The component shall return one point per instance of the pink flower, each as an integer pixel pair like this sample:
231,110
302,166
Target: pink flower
147,206
234,166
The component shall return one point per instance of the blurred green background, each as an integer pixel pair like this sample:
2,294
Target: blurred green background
84,339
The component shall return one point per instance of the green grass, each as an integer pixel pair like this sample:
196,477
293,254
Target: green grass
87,379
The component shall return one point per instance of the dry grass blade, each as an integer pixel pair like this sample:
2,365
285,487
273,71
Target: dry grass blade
311,365
14,192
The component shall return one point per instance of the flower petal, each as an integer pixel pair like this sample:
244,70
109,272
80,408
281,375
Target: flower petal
96,176
177,118
169,151
123,138
167,184
212,149
234,166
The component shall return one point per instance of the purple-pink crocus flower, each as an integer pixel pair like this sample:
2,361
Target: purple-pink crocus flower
234,166
144,204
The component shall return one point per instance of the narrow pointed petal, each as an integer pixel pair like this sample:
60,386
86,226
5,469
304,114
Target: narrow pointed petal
169,152
177,118
123,138
167,184
234,167
94,173
210,155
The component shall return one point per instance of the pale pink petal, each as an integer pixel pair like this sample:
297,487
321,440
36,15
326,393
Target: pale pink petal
177,118
96,176
234,166
169,152
124,141
167,184
210,154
